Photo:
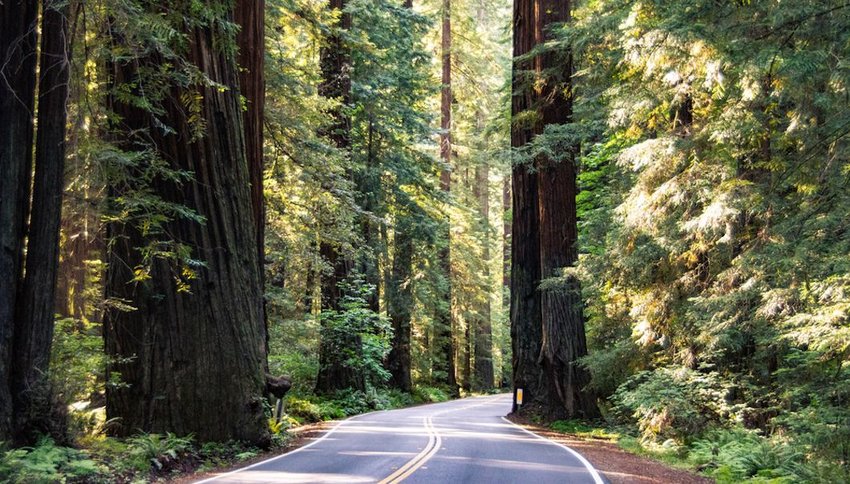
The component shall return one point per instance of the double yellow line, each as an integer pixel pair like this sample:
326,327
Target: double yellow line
434,444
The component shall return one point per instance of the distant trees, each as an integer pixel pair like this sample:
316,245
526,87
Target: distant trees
29,237
184,332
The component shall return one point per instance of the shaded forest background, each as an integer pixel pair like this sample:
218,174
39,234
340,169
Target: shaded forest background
357,194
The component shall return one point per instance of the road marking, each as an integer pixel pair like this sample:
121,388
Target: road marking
593,472
434,443
294,451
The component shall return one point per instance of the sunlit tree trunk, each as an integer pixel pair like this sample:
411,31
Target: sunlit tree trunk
483,339
191,362
444,319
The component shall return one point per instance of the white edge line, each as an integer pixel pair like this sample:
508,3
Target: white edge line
286,454
593,472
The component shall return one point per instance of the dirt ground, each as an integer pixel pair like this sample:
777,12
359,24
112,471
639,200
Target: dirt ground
618,466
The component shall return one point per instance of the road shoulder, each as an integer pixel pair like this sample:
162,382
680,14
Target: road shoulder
617,465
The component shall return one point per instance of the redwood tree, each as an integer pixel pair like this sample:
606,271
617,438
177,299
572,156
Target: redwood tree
190,356
27,297
525,253
444,319
563,335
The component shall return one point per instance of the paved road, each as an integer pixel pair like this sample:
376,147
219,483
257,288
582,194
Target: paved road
462,441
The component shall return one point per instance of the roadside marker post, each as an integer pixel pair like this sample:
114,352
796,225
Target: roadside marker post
519,396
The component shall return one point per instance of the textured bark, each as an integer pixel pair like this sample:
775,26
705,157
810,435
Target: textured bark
525,253
483,339
563,335
17,99
335,60
250,16
191,362
32,397
399,306
445,364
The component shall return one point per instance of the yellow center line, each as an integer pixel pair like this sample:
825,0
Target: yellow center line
434,442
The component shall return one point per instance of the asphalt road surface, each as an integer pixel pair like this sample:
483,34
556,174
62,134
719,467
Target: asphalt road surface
462,441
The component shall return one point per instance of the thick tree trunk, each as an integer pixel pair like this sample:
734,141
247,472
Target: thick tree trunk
399,307
444,320
191,362
563,336
483,340
32,397
250,16
17,99
525,252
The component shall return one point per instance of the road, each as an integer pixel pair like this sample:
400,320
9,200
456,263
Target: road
462,441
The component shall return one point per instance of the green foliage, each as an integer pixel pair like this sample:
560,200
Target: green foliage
738,455
583,429
157,452
673,403
354,321
45,463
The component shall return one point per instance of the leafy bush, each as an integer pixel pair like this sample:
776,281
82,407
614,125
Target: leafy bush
673,402
46,462
738,454
157,452
425,394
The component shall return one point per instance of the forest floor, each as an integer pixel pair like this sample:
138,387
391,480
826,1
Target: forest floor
618,465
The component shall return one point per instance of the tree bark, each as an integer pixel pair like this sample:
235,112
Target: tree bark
445,363
190,362
525,253
32,396
250,16
399,307
483,339
17,100
563,335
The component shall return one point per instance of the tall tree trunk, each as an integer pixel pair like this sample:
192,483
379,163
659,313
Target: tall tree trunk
335,62
399,306
525,252
32,397
563,335
483,339
444,319
250,16
17,99
506,239
191,362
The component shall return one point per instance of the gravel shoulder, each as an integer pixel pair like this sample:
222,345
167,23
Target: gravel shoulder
618,466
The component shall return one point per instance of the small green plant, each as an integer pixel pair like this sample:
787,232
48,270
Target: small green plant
582,429
157,452
46,462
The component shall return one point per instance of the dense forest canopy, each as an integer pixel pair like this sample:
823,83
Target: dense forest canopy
634,211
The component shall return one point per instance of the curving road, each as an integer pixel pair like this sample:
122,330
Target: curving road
462,441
